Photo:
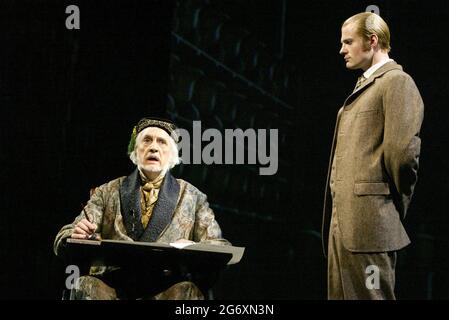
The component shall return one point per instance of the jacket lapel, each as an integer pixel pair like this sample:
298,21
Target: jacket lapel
378,73
163,209
130,205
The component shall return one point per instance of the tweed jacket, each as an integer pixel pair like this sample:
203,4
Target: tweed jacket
181,212
375,154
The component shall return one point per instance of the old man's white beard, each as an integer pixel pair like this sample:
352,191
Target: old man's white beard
153,168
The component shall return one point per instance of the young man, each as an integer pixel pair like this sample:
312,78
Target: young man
373,166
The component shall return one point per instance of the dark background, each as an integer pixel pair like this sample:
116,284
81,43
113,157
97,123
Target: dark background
69,99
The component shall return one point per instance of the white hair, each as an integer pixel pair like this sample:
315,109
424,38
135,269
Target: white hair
174,153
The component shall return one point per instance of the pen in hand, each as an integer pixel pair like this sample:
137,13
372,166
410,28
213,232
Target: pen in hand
92,236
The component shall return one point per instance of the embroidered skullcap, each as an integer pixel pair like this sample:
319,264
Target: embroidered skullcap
144,123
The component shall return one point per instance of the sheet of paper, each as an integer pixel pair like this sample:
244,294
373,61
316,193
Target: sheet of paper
180,245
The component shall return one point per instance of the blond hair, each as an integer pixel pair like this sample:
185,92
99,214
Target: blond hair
367,24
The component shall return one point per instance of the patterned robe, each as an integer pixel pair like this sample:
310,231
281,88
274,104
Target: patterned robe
181,212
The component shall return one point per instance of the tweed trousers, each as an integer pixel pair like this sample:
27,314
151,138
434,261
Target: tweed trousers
358,276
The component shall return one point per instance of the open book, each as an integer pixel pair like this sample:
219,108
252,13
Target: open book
236,252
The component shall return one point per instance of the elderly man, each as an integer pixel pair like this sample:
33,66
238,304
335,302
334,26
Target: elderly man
149,205
373,166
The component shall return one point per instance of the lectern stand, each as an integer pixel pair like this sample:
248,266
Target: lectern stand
150,267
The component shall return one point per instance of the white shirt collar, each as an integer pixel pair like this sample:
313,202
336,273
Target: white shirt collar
373,68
